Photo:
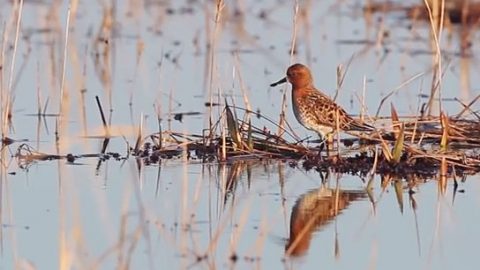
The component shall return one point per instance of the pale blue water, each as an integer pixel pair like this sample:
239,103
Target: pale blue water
254,221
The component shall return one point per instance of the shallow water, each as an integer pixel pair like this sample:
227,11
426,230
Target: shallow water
60,215
173,216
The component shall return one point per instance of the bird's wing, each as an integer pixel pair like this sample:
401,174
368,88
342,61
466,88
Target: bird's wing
327,112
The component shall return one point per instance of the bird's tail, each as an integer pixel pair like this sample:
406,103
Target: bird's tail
359,126
372,131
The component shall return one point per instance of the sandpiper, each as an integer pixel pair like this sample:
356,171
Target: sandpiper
315,110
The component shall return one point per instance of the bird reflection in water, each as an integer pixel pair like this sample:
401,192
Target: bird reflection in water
312,211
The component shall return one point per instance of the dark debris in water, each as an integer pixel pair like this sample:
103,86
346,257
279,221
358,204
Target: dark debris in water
362,165
27,155
422,146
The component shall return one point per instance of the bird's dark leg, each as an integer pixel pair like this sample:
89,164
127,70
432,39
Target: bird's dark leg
329,142
321,147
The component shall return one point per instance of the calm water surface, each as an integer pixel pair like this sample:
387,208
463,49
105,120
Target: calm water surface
176,215
155,59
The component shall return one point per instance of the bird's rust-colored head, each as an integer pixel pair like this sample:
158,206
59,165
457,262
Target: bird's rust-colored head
298,75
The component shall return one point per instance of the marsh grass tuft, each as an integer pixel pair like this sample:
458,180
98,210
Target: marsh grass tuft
419,146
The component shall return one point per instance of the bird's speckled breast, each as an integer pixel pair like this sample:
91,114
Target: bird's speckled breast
305,113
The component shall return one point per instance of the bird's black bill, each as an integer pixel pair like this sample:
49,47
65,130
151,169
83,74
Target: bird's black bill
283,80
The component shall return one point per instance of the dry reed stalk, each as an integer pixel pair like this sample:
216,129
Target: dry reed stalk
103,45
294,32
364,105
39,105
243,89
337,128
5,110
23,65
339,81
6,102
467,107
436,25
282,116
445,131
83,90
465,73
393,91
78,68
282,120
219,6
395,120
64,62
385,150
170,108
18,11
7,96
158,99
416,122
4,96
249,136
223,149
63,103
53,69
305,16
289,132
159,122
